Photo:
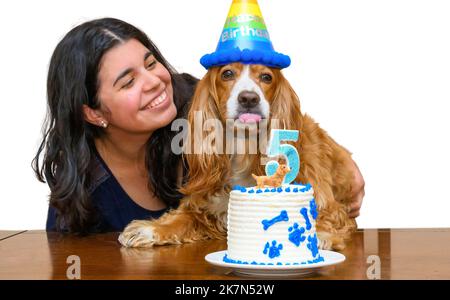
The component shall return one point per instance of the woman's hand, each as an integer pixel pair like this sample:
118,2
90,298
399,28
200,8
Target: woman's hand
357,192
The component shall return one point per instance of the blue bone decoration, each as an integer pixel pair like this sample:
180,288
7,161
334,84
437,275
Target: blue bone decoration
282,217
304,212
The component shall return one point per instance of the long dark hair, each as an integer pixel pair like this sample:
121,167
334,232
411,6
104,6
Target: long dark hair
66,150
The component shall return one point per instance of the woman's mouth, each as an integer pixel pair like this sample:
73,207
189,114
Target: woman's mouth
158,101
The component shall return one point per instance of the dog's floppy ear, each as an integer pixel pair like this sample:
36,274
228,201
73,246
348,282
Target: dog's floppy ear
285,110
286,105
207,163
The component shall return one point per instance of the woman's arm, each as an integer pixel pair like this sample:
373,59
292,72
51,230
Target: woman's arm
51,219
358,192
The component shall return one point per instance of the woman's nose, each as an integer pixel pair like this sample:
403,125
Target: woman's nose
151,81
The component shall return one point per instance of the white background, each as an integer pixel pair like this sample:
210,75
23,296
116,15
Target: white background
374,74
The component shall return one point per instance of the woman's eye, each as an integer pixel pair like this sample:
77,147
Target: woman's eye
267,78
150,65
228,75
128,84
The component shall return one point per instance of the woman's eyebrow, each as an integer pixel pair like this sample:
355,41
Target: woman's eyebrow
122,75
125,73
147,55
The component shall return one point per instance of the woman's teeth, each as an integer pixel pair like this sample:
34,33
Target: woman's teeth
157,101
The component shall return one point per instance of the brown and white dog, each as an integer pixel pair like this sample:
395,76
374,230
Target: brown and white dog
250,93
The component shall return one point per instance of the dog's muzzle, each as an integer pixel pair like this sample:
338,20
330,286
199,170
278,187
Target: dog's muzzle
248,100
249,111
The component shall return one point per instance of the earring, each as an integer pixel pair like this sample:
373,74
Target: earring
103,124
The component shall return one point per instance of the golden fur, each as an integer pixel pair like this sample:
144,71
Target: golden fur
202,213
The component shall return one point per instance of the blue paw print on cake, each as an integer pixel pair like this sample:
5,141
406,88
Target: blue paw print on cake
312,245
304,212
274,250
296,234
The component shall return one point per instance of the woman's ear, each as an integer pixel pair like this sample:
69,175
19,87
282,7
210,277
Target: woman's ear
94,116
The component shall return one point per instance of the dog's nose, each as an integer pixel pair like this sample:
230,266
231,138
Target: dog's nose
248,99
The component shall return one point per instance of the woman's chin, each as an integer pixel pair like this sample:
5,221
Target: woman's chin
171,113
163,118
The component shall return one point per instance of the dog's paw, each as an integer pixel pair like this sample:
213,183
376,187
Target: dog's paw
325,244
328,241
138,234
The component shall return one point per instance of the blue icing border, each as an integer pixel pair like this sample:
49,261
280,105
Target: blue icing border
288,189
226,259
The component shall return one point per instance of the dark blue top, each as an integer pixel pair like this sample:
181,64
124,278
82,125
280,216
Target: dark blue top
115,208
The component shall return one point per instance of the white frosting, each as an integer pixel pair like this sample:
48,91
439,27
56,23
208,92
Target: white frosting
247,238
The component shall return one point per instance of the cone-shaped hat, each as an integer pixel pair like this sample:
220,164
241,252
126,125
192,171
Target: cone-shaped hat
245,39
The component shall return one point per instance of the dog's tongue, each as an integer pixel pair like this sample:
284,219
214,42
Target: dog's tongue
249,118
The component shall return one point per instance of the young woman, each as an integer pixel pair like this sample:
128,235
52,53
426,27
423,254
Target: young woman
105,152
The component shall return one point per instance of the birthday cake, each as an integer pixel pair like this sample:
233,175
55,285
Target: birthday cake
272,226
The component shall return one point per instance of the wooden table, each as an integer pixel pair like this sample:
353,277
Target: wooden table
403,254
7,234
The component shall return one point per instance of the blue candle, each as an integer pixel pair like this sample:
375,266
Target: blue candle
275,148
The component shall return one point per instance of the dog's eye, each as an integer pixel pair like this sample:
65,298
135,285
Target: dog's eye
267,78
228,75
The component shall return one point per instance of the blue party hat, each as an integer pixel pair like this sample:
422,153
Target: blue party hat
245,39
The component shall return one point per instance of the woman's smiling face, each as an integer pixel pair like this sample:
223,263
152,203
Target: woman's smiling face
135,89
